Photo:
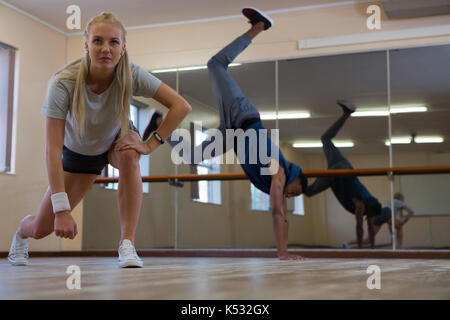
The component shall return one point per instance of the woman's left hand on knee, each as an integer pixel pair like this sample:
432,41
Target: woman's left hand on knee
132,141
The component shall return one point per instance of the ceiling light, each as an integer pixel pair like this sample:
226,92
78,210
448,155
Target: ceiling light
282,115
164,70
189,68
344,144
318,144
307,144
408,109
398,140
384,112
371,113
428,139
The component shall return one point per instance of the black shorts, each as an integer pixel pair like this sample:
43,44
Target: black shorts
383,217
79,163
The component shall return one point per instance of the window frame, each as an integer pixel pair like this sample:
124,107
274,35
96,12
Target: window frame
254,190
7,166
195,186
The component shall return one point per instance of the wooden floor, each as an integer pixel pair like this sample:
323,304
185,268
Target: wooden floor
226,278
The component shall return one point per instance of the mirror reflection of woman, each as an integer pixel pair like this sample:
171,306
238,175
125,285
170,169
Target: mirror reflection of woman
87,126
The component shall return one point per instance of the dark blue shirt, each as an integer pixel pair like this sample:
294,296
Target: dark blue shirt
253,171
347,188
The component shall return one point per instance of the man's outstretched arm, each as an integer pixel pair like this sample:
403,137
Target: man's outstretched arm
359,210
279,216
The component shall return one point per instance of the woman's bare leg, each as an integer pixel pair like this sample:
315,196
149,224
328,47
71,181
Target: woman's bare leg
42,224
129,195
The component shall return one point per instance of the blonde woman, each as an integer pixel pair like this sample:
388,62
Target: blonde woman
87,126
386,218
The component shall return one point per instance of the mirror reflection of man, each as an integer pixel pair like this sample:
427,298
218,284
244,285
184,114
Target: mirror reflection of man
386,218
349,191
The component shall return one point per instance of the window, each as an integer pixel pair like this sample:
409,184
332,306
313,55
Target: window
7,67
299,208
137,113
261,202
207,191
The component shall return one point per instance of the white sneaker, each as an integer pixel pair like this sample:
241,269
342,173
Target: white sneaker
128,256
18,253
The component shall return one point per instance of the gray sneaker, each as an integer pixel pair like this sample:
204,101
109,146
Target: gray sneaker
128,257
18,253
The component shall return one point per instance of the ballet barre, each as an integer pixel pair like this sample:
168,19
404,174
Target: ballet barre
307,173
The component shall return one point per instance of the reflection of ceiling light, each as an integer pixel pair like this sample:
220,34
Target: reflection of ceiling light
285,115
371,113
399,140
383,112
419,139
305,144
430,139
408,109
318,144
188,68
344,144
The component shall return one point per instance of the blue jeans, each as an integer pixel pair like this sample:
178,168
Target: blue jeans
234,107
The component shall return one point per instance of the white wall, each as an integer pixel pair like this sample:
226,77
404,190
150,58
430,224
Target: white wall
41,51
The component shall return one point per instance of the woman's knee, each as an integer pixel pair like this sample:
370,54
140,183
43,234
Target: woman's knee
128,158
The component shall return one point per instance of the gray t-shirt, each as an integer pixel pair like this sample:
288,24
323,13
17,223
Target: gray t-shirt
101,110
398,205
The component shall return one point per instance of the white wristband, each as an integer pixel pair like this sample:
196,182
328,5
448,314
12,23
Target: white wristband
60,202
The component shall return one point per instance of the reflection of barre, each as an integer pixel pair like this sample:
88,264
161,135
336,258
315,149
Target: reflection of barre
176,183
307,173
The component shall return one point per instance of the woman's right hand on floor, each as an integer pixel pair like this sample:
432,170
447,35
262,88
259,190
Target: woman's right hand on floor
65,226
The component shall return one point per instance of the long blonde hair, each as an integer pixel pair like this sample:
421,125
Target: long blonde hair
78,71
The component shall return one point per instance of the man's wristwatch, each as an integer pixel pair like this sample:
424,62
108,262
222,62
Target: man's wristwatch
158,137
